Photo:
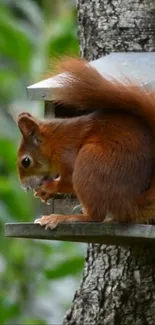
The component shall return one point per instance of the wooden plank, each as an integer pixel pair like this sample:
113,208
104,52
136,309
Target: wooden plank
136,66
63,205
111,234
49,109
43,89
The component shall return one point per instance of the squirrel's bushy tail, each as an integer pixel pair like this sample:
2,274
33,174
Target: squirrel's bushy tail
85,88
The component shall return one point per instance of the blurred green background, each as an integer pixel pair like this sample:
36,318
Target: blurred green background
37,278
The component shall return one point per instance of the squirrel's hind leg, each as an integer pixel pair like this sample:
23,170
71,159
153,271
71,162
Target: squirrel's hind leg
103,186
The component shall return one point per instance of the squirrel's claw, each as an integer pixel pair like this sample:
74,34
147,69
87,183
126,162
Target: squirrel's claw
50,221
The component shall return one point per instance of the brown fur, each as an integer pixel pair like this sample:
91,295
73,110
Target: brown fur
106,157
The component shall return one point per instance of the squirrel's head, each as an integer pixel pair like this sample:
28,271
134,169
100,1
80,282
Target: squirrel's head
33,158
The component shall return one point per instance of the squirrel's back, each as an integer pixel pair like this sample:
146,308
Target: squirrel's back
128,141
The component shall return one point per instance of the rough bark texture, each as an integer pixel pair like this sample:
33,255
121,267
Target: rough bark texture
118,285
115,26
118,288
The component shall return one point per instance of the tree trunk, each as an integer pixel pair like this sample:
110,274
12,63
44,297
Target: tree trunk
118,285
115,26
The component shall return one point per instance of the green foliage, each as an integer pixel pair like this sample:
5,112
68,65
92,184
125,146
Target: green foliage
30,33
62,35
70,267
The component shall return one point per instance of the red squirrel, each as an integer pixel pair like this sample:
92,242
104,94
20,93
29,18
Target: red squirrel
106,158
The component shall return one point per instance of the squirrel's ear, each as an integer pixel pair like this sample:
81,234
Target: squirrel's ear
28,126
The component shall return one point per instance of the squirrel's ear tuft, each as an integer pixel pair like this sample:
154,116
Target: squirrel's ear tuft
28,125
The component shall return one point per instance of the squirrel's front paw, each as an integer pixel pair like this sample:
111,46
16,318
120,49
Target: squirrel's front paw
46,191
42,195
50,221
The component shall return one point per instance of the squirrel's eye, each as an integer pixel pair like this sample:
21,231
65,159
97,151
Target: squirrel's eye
26,162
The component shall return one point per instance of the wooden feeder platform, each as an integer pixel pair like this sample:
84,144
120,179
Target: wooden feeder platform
100,233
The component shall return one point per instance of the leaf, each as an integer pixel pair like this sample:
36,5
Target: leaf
5,186
66,268
31,11
8,311
8,149
18,47
33,321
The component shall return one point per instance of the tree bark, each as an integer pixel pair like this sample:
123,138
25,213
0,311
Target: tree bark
106,26
118,285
